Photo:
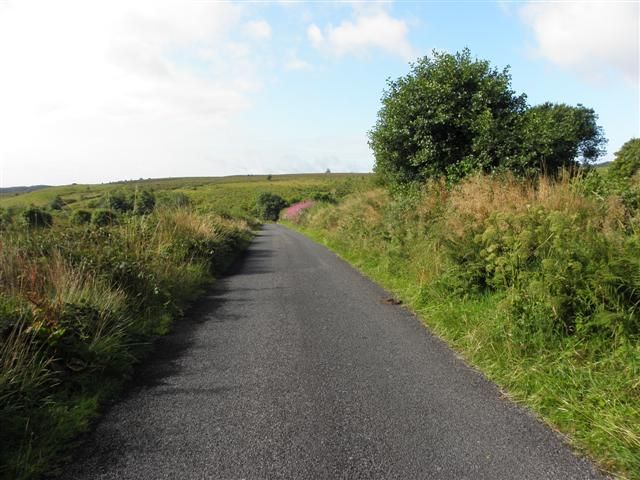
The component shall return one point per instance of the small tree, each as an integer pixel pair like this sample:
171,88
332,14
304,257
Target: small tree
554,136
268,206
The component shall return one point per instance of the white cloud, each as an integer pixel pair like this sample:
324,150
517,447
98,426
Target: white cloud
297,64
79,57
258,29
315,35
371,30
590,38
103,88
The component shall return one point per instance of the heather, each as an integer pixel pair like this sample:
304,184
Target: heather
534,282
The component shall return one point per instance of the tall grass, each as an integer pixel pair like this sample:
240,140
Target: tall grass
79,306
536,283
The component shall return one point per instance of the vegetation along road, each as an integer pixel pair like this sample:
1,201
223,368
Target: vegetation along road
296,367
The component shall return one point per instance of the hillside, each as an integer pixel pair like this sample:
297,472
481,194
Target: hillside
233,195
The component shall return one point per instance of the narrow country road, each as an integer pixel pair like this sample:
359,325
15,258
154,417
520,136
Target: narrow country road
294,368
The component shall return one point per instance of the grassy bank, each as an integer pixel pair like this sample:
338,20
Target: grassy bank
90,274
537,285
79,306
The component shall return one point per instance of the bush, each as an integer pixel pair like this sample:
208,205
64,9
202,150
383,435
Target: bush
563,275
80,217
174,200
34,217
621,180
57,203
6,218
453,115
627,160
119,201
326,197
268,206
144,203
103,217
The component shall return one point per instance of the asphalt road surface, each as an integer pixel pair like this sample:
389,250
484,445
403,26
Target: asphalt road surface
294,367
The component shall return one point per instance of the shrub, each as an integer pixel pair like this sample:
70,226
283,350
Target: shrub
144,203
119,201
6,219
575,281
268,206
174,200
627,160
621,179
57,203
326,197
81,217
103,217
567,266
34,217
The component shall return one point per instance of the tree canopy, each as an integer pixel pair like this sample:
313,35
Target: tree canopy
454,114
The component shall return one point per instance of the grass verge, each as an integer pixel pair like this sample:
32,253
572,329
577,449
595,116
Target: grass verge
79,306
578,371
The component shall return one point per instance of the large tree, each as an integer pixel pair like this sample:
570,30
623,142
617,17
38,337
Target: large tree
454,114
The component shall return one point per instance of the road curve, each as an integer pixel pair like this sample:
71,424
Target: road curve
293,367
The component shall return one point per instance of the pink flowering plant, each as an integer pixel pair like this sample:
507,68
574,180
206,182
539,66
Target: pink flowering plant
293,212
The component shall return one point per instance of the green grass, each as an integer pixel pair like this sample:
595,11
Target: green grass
79,306
80,302
584,384
230,195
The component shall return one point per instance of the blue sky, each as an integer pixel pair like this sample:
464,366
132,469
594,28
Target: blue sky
95,92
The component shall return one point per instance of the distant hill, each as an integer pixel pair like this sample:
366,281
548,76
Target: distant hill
602,165
32,188
232,195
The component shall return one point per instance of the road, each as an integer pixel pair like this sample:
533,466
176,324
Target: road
294,367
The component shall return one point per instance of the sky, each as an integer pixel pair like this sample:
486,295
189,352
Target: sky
99,91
